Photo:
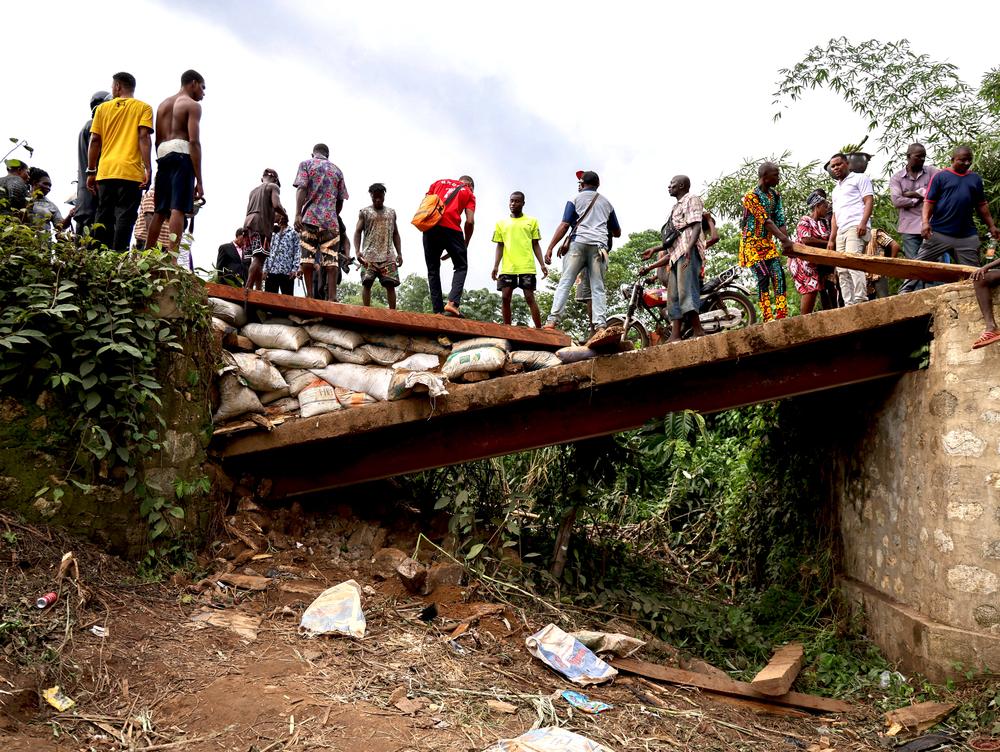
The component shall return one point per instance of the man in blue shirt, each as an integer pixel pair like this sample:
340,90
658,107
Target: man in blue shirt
954,195
282,266
592,219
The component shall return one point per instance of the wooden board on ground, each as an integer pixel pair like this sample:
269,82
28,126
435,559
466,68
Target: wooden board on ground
727,686
352,316
777,676
901,268
919,717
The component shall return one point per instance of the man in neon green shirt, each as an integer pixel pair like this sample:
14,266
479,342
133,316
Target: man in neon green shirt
517,247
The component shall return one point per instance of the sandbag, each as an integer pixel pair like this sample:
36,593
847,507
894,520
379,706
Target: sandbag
417,381
342,355
383,356
304,357
284,406
266,398
477,342
534,360
350,398
317,398
236,399
372,380
331,335
259,374
222,328
575,353
231,313
485,359
298,379
418,362
407,343
276,336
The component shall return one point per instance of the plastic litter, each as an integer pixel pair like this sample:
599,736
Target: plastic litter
418,362
337,609
304,357
548,739
568,656
54,696
584,703
276,336
609,642
98,631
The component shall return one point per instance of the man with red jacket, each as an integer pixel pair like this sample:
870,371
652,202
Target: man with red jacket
449,238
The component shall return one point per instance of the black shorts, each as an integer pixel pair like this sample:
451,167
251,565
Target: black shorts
174,184
526,282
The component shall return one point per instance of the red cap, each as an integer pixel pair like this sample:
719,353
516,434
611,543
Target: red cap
579,174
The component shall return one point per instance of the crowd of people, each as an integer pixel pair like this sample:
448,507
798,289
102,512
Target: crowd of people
272,248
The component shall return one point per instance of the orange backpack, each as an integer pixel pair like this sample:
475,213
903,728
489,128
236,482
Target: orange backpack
431,210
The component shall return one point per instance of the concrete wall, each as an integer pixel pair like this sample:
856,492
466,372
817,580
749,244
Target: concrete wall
919,502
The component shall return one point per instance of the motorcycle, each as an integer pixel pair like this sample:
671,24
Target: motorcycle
725,304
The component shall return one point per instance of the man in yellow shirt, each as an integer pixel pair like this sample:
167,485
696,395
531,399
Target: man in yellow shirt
517,247
120,142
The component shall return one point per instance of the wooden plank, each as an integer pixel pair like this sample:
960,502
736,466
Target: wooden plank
902,268
921,716
727,686
777,676
353,316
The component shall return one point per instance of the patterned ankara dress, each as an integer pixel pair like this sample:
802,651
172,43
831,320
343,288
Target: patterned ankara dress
759,251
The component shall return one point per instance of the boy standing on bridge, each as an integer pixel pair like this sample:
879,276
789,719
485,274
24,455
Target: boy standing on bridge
382,252
517,246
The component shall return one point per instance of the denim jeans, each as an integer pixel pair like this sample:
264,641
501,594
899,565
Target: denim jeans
579,257
684,286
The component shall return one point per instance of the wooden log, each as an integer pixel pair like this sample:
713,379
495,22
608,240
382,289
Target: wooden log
383,319
902,268
777,676
727,686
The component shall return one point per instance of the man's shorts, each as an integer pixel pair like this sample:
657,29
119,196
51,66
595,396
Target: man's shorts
319,240
259,245
526,282
174,184
387,274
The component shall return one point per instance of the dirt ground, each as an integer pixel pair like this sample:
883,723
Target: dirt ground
159,681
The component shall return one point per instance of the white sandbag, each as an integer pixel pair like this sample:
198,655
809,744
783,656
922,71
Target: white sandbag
419,382
342,355
236,398
418,362
304,357
222,328
476,342
331,335
231,313
575,353
383,356
266,398
409,344
534,360
317,398
298,379
350,398
276,336
373,380
284,406
259,374
482,359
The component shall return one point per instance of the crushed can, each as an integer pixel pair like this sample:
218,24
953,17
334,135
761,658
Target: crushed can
46,600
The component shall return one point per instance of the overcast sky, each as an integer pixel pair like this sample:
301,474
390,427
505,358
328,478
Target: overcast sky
518,96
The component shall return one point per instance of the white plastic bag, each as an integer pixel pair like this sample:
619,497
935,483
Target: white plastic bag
338,610
276,336
480,359
419,362
568,656
231,313
548,739
331,335
317,398
534,360
304,357
259,374
384,356
236,399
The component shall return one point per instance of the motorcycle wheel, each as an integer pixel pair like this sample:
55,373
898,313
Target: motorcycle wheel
734,299
636,333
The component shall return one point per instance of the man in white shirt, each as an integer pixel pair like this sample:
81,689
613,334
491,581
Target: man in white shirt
853,201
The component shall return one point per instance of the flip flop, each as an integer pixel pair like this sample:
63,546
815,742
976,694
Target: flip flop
986,338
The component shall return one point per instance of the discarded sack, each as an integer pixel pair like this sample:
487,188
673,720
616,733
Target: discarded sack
575,353
236,399
259,374
337,609
568,656
477,342
479,359
276,336
534,360
317,398
304,357
549,739
231,313
384,356
342,355
584,703
331,335
609,642
418,362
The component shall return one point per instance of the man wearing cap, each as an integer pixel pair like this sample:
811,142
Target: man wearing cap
591,219
449,238
262,205
14,189
119,163
85,208
319,199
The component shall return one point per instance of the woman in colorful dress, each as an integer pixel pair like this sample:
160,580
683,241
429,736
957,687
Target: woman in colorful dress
763,222
812,230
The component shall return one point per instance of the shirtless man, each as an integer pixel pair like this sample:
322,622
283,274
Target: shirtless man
178,157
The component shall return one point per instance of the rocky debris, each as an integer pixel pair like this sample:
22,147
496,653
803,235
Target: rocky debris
386,561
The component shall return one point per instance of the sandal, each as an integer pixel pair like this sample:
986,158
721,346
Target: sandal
986,338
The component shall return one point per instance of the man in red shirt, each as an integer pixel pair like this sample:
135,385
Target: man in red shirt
449,238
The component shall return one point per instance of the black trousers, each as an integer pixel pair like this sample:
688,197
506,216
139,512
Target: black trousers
117,209
282,284
438,240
